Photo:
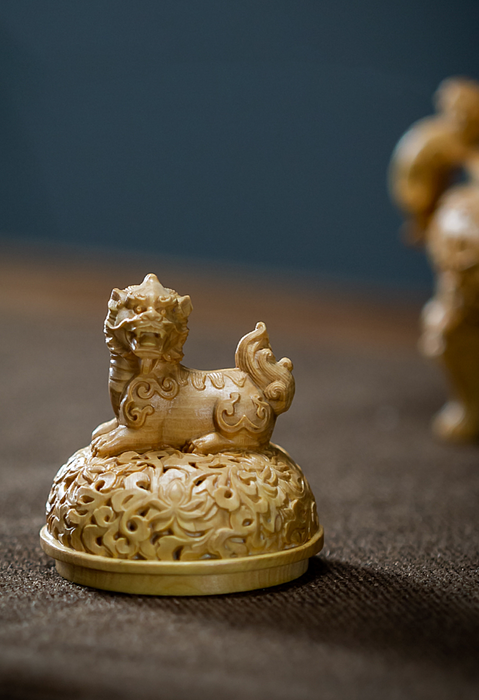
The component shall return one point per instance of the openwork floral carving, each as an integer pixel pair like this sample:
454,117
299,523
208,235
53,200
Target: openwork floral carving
169,505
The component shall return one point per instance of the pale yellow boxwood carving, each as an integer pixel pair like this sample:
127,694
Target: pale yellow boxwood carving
182,492
168,505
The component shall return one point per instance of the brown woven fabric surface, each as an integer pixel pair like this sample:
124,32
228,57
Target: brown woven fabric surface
390,609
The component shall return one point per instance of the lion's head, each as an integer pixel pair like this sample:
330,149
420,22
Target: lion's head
458,99
148,321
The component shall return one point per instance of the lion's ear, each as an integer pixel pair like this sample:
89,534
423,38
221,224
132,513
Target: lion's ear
117,296
185,307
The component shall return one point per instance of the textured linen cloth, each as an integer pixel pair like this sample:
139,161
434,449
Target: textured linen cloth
390,609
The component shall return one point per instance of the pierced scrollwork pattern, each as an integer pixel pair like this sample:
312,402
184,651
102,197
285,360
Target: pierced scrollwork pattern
167,505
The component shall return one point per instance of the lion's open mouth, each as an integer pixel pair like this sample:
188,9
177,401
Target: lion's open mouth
144,341
148,340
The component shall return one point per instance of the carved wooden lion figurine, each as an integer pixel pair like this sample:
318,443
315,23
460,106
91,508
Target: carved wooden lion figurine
182,493
445,217
159,402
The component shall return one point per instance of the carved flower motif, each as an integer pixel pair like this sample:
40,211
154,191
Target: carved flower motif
168,505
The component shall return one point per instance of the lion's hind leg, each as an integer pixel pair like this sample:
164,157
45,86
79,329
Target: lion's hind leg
211,443
243,421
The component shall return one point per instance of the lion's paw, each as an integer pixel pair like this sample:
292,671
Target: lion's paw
104,428
112,443
209,444
455,424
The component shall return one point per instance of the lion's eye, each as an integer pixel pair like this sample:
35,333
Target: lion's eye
139,309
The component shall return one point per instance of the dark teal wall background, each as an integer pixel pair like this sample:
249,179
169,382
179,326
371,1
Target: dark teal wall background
235,130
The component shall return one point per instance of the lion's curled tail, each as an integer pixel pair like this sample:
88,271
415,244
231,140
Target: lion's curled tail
254,356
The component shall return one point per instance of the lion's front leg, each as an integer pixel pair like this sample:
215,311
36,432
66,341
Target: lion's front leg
121,439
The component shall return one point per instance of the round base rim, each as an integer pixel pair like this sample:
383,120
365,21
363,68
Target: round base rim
211,577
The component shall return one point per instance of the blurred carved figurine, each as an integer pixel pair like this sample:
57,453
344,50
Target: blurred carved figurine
182,493
445,217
